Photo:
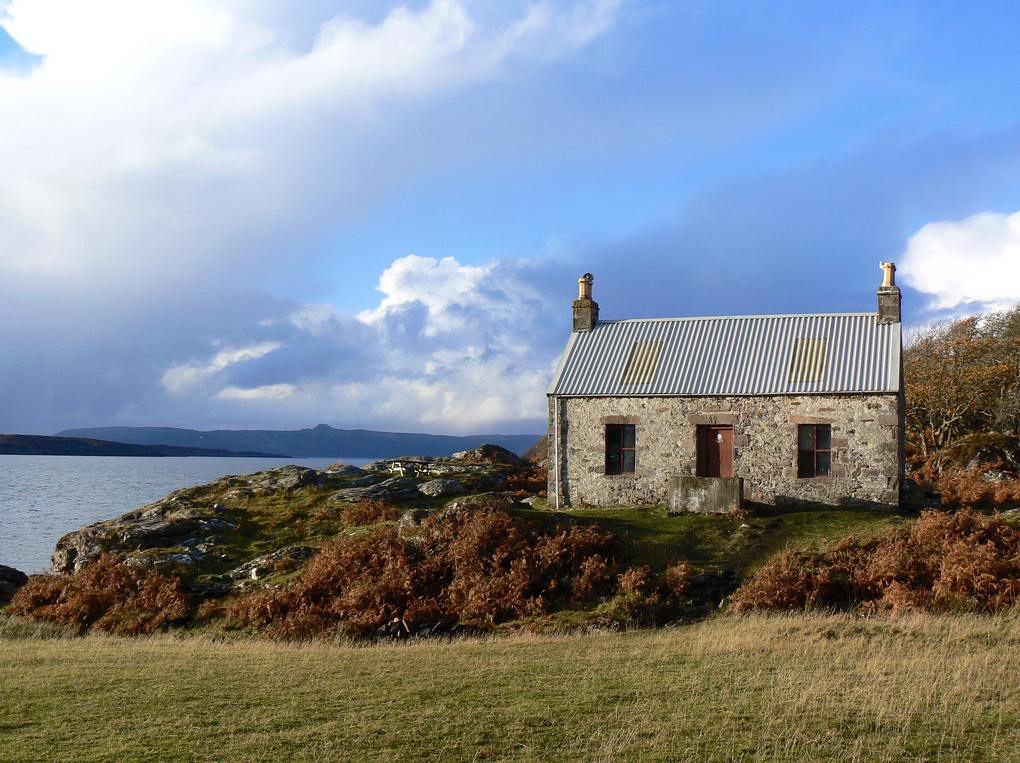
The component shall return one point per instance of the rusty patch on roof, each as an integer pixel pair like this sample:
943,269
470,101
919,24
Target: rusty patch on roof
643,363
808,362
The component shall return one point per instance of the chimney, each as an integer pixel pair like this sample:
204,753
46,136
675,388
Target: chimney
586,310
888,295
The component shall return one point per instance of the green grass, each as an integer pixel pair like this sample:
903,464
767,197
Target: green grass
791,688
714,542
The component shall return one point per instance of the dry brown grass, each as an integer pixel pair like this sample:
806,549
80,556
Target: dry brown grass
803,687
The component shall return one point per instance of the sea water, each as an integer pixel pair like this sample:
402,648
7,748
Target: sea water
44,497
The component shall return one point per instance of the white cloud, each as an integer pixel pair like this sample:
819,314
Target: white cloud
153,133
970,262
450,347
454,297
267,392
182,377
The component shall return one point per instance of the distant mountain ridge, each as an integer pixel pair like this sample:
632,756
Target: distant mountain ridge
41,445
321,442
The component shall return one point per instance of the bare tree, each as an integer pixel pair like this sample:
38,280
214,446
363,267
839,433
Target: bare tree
961,377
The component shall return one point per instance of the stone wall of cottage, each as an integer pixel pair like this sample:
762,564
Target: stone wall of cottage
866,447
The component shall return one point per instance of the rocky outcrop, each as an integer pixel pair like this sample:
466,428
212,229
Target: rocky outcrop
167,523
392,489
10,581
400,628
491,454
438,488
197,531
538,453
410,524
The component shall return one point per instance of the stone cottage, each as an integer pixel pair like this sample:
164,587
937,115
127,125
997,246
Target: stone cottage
706,413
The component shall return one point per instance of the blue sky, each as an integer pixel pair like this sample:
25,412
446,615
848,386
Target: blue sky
234,213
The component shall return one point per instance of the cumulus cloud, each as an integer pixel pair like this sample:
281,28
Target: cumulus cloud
968,263
450,347
182,377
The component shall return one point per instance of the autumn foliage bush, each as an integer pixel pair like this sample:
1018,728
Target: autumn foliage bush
107,595
370,511
478,565
948,562
532,481
978,487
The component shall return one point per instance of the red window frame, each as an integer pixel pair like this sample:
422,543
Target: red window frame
621,450
814,450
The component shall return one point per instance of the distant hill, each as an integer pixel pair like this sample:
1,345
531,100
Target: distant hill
321,442
41,445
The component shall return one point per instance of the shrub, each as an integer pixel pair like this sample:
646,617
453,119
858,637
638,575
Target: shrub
962,561
370,511
106,595
210,609
532,481
477,564
971,488
649,599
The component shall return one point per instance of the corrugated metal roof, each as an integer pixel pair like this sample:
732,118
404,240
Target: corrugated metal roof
739,355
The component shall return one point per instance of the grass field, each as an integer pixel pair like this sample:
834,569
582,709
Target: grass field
785,688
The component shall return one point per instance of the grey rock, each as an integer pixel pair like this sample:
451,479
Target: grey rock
161,560
410,522
441,487
215,523
346,471
427,466
491,454
368,479
260,566
483,499
393,488
209,589
63,559
285,479
138,530
10,581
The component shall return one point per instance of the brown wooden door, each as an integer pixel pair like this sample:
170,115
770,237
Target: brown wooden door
715,451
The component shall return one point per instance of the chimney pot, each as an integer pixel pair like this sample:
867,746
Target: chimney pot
584,286
889,269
